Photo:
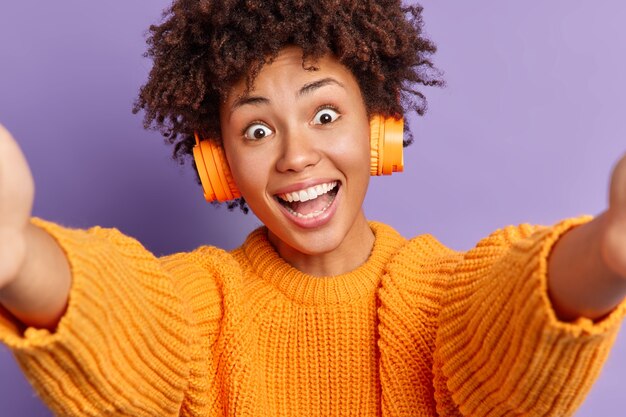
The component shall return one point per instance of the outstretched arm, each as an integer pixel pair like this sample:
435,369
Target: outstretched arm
587,267
125,340
34,275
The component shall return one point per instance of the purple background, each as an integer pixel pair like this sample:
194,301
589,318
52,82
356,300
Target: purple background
526,131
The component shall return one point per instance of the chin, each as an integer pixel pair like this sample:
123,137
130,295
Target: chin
309,242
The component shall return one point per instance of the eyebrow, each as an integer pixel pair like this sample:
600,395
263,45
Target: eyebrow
306,89
253,100
310,87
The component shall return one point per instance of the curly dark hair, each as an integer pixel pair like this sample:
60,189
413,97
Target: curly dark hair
203,47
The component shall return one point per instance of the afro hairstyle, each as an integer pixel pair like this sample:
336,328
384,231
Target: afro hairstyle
203,47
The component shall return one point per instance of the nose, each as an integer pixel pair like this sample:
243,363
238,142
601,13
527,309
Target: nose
298,151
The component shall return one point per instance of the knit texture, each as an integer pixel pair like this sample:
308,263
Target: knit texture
418,330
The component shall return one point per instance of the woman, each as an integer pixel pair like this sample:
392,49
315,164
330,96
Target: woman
319,312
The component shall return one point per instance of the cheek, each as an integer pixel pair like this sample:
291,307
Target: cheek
247,173
353,152
250,172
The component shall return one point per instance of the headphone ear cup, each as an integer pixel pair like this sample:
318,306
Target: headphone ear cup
215,176
386,145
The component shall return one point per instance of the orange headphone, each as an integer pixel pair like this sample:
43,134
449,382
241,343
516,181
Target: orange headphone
217,181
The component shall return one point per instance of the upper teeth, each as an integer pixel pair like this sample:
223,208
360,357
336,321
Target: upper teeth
308,193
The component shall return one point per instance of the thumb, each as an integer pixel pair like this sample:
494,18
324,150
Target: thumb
16,184
614,240
617,190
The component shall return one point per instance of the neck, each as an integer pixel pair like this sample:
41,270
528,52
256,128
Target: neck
352,252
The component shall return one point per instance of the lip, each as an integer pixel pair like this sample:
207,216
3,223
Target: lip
314,222
304,184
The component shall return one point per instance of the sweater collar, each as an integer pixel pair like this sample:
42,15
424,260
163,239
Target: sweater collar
310,290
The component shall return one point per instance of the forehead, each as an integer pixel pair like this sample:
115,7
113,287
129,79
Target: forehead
289,72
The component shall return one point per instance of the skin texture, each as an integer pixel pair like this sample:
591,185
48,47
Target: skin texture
299,150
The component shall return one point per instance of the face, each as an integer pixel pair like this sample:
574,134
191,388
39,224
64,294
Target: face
298,148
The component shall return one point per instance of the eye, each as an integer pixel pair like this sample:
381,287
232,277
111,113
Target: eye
257,131
325,116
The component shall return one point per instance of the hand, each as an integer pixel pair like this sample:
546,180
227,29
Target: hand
16,201
614,236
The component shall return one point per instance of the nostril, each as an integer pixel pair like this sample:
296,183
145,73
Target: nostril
297,161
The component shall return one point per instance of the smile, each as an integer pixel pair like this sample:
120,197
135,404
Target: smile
310,202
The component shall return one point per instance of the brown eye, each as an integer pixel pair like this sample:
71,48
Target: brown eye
257,131
325,116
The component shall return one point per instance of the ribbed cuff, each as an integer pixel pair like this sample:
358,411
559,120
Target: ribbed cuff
122,345
583,325
500,344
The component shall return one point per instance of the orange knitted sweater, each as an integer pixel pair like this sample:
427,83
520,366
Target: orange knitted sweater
418,330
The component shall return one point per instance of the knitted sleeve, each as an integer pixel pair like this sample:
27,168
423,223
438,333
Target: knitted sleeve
123,347
500,349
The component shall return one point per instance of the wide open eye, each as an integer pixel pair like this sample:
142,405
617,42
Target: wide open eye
257,131
325,116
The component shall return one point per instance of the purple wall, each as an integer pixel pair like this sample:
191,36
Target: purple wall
526,131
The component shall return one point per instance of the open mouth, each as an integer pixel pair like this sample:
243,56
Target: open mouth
309,202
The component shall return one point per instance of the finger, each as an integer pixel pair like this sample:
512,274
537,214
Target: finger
16,182
4,133
617,193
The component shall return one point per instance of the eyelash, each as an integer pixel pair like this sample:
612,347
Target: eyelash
252,123
328,107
